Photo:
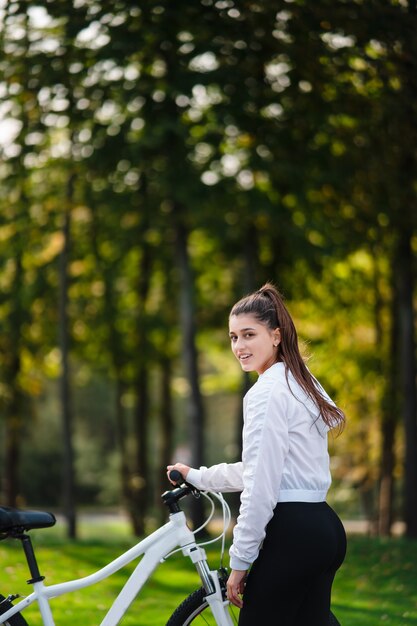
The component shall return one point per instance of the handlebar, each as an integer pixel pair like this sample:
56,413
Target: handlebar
182,489
172,497
176,476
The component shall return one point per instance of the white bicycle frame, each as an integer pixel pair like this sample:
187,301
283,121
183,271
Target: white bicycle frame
154,548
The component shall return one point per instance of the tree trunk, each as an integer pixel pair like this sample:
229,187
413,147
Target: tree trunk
12,455
195,410
141,496
386,481
11,360
68,479
407,388
121,438
140,483
13,409
389,407
167,428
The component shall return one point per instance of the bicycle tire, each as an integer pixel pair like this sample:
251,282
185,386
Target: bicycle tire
191,609
195,609
15,620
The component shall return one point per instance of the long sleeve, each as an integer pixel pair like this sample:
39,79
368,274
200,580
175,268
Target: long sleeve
224,477
265,449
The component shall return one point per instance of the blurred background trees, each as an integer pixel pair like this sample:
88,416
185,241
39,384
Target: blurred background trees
161,159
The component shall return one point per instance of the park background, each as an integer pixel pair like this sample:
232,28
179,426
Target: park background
161,159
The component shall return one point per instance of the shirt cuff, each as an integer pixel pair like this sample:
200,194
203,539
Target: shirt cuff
194,477
236,563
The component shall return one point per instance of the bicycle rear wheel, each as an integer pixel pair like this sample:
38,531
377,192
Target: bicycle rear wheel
15,620
195,610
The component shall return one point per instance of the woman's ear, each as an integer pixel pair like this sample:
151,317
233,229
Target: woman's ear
277,337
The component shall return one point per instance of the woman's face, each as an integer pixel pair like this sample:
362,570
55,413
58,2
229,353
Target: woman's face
254,345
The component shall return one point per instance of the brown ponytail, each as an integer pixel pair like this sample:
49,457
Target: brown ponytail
267,305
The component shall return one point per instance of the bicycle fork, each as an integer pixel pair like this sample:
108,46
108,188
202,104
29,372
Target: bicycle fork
211,585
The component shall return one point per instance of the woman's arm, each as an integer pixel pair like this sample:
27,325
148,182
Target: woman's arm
225,477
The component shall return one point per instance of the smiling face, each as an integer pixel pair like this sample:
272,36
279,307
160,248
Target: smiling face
254,345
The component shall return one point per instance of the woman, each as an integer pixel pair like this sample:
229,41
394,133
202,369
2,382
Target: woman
287,543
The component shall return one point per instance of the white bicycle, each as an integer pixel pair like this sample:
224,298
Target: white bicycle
207,605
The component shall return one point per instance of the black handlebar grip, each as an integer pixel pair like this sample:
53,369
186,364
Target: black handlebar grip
176,476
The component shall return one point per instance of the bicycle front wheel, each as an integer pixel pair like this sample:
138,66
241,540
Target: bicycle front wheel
195,610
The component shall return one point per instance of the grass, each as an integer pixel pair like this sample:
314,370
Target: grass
377,584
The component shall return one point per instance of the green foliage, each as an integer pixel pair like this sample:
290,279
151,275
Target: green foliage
280,136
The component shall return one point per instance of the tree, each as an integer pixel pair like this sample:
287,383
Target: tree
17,288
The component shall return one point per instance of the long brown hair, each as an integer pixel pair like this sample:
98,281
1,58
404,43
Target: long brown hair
267,305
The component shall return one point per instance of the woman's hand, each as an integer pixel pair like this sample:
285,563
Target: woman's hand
181,468
235,586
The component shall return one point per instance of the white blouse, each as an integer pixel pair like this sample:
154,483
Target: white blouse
284,459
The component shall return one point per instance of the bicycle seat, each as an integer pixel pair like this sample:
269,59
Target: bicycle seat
14,520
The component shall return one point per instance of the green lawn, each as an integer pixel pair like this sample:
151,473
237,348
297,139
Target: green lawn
376,585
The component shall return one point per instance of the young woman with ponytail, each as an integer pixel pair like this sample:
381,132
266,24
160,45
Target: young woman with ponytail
288,542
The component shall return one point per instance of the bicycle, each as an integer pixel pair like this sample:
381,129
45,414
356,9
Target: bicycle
208,604
174,536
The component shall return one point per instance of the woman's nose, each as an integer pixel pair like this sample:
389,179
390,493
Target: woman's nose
239,343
